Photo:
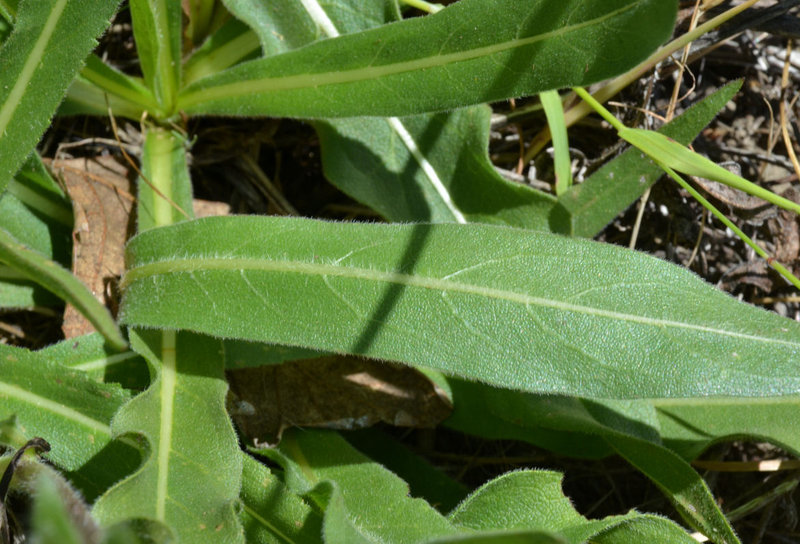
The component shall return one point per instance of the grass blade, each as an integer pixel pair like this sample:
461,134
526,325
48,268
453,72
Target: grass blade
554,112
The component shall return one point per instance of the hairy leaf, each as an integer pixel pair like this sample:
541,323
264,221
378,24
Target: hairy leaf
271,513
69,410
41,57
689,426
629,427
362,501
511,307
50,275
471,52
533,500
191,477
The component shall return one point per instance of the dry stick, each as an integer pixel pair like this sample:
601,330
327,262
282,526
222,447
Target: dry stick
581,110
696,248
130,161
787,141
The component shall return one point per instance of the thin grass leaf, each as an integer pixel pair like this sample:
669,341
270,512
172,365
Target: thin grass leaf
554,112
41,57
587,208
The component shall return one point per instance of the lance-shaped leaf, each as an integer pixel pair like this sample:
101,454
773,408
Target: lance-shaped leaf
511,307
34,211
191,477
41,57
430,167
587,208
100,87
471,52
157,29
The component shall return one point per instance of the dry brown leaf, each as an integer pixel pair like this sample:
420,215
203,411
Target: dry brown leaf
207,208
339,392
102,202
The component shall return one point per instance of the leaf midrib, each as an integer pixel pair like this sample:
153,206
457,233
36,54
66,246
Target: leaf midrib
33,61
205,264
58,408
301,81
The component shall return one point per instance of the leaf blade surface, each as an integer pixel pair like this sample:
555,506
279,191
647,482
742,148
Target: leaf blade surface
511,307
457,57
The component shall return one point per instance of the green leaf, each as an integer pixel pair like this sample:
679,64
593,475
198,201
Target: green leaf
232,43
425,480
90,354
37,217
271,513
99,87
554,112
689,426
471,52
501,537
421,168
428,168
50,275
157,30
629,427
295,23
510,307
34,211
41,57
50,520
587,208
191,477
472,414
533,501
69,410
361,500
645,528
